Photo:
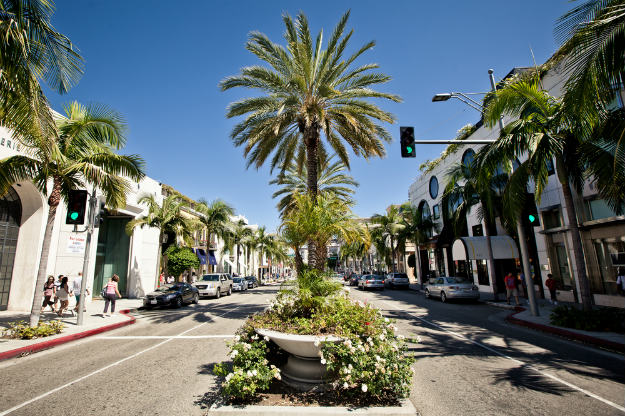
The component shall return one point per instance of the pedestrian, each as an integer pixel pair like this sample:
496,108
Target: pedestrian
63,294
511,289
620,281
551,285
161,279
76,287
57,285
111,295
193,277
49,292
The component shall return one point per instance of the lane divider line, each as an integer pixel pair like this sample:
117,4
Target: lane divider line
78,380
531,367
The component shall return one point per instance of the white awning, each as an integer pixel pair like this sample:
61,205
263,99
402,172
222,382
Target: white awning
227,260
476,248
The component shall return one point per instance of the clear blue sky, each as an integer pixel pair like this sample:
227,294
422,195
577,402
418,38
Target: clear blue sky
159,65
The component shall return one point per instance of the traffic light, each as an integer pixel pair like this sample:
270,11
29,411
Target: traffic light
406,137
531,212
101,212
76,206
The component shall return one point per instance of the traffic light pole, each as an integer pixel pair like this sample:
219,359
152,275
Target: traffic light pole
85,266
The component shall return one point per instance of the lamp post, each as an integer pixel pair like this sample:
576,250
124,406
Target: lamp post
464,97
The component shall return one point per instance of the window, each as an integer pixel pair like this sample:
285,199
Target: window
433,187
436,211
597,209
425,210
550,168
468,157
478,230
552,219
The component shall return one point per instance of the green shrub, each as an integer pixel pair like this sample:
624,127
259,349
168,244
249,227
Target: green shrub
602,319
22,330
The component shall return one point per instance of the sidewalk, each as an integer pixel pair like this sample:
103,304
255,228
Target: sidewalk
93,323
522,316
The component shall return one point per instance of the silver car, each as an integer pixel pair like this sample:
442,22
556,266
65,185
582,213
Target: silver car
370,281
397,280
452,288
239,284
214,284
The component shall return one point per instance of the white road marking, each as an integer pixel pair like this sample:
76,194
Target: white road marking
551,376
19,406
166,337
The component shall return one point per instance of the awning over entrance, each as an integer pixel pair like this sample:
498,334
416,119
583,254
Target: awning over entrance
211,257
476,248
201,255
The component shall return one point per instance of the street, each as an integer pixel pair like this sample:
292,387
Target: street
469,362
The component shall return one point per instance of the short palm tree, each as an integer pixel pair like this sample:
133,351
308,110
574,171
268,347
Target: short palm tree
311,93
31,50
417,229
82,155
332,178
542,130
390,226
215,218
262,241
167,218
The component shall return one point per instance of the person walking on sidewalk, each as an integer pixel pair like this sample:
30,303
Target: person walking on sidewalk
511,289
620,281
57,286
63,294
49,292
551,285
112,294
76,286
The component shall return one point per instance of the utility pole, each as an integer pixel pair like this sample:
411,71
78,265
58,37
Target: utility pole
529,283
85,266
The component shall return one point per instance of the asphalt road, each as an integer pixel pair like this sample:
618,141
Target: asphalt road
470,362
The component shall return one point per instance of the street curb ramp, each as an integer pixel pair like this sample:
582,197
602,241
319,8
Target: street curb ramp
44,345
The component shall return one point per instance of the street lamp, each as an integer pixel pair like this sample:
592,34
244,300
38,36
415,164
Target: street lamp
461,96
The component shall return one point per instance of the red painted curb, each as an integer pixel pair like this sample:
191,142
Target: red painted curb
62,340
603,343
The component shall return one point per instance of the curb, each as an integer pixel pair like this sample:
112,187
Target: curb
29,349
587,339
406,408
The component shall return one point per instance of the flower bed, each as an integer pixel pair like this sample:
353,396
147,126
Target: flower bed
22,330
369,365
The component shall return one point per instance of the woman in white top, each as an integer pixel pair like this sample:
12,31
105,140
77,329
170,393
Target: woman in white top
63,294
111,294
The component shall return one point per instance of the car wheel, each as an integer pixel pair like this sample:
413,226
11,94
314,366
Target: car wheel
218,295
196,298
178,302
443,297
230,291
427,294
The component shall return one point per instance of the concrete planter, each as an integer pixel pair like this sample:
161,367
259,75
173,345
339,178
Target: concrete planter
303,369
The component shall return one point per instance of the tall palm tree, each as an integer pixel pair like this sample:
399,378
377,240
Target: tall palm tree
469,186
31,50
238,233
542,130
262,240
390,226
380,241
167,218
311,93
417,229
82,155
593,46
215,218
332,178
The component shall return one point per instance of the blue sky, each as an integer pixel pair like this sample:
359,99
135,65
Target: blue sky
160,65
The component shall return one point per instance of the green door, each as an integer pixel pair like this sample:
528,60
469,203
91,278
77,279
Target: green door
112,254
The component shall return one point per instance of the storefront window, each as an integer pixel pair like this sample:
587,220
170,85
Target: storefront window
482,273
552,219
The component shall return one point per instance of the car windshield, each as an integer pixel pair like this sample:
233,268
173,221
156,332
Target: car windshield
237,279
457,280
210,278
401,275
167,288
249,277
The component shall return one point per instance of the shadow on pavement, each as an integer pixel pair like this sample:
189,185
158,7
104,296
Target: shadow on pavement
524,378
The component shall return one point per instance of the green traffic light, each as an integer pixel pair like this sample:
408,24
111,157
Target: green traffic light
74,216
532,218
409,149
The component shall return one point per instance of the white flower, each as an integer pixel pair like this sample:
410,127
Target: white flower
237,338
381,337
345,385
401,337
350,367
377,358
418,338
266,338
386,320
323,361
364,388
316,343
255,337
229,376
254,373
369,340
234,353
249,373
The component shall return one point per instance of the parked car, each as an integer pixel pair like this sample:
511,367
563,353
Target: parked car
353,280
452,288
371,281
214,284
397,280
251,281
174,294
239,284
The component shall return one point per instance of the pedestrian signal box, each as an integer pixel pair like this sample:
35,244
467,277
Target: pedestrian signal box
406,138
76,207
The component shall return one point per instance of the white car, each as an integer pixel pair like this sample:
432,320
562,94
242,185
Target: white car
239,284
447,288
214,284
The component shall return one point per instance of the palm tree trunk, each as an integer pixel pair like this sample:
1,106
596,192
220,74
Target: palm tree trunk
299,262
578,252
209,267
393,255
53,203
311,139
238,266
490,259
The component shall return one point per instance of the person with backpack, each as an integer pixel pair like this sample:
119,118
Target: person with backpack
511,290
